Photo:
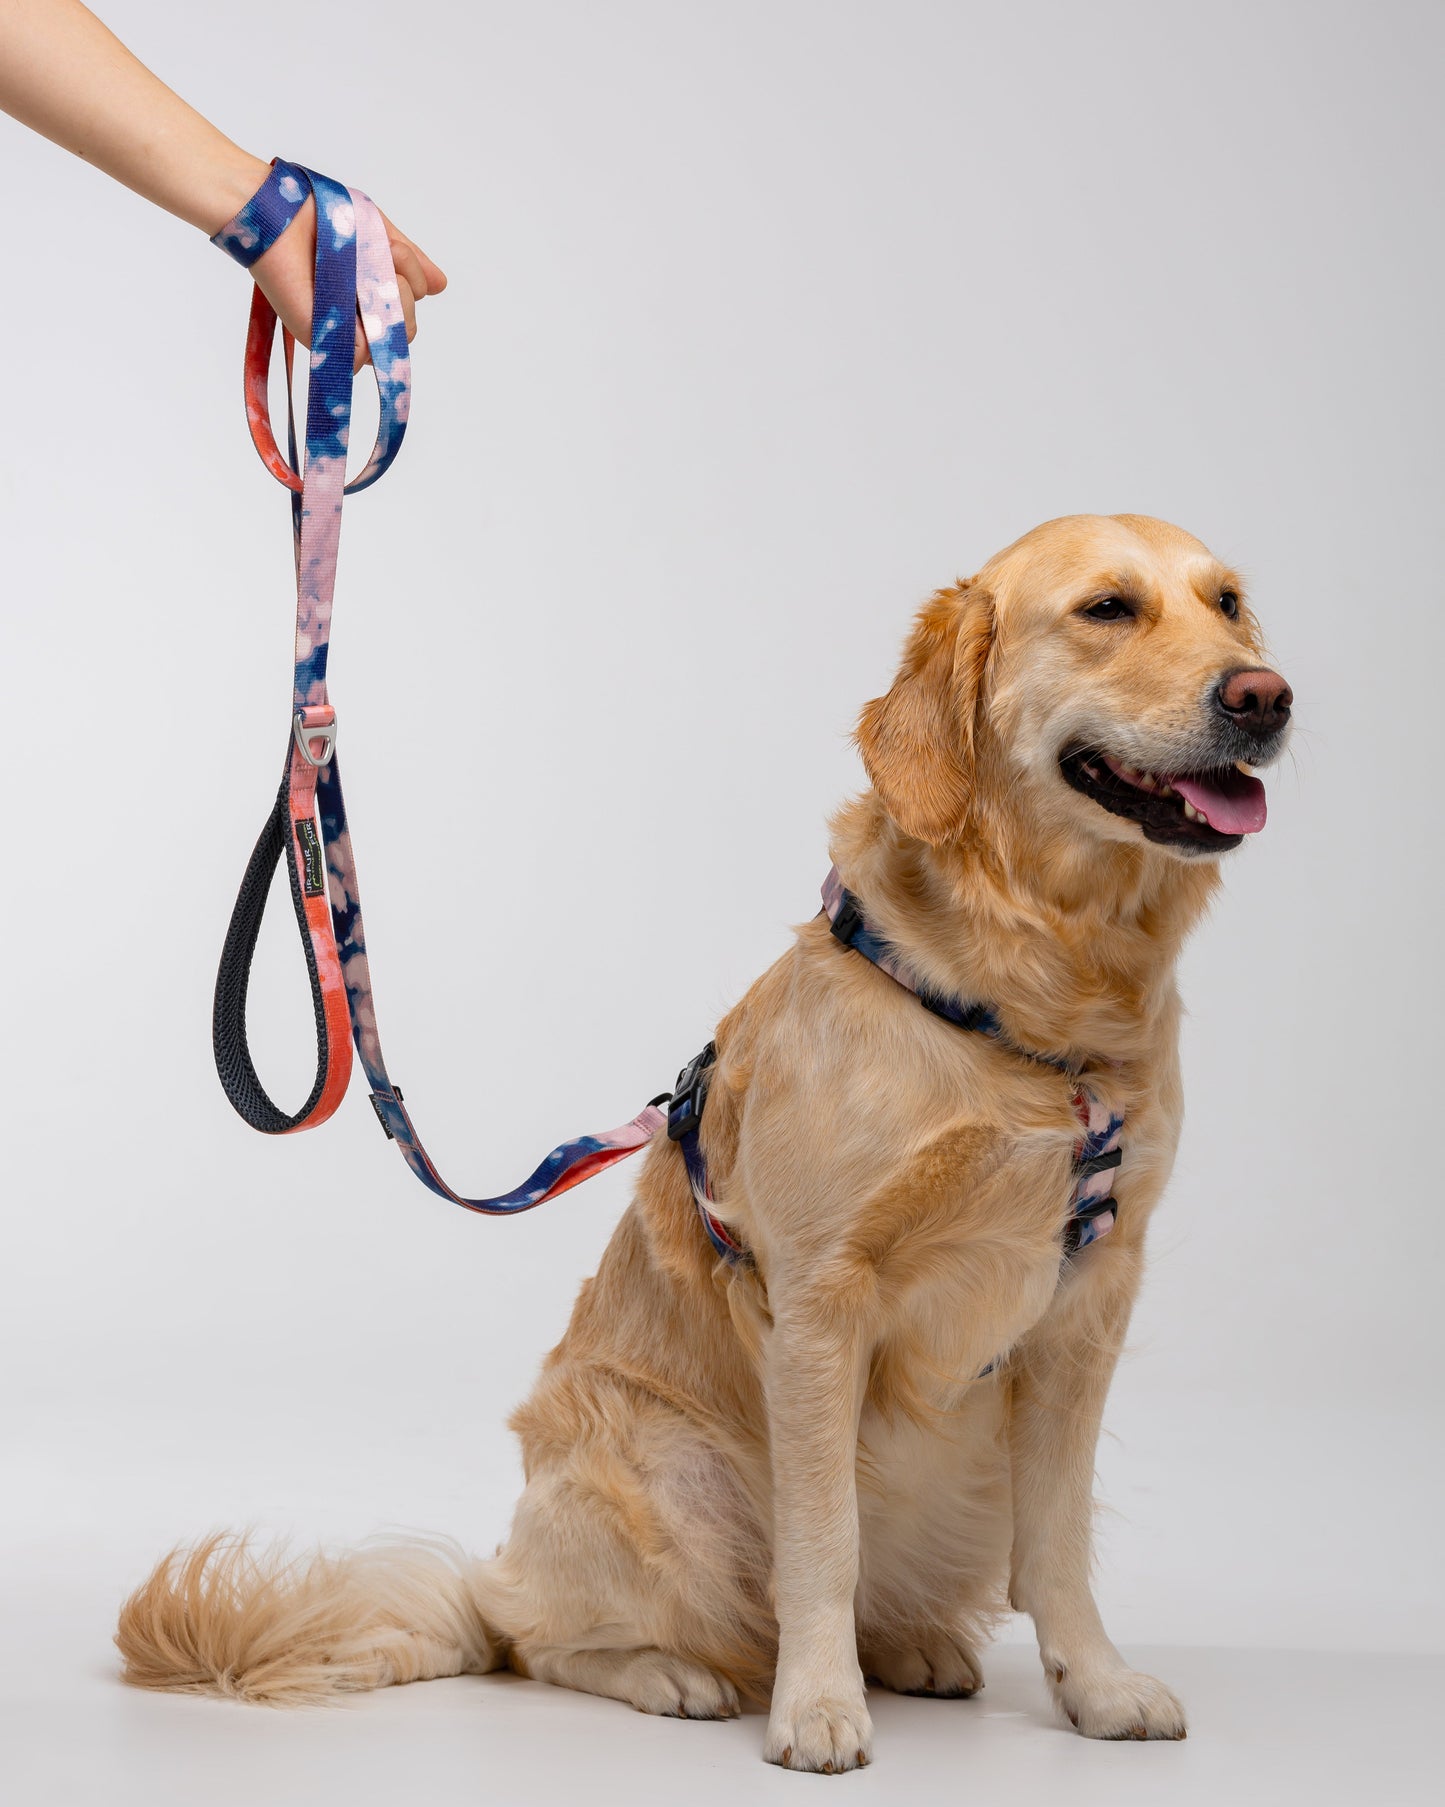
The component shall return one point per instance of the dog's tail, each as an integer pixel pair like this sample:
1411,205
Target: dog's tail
225,1618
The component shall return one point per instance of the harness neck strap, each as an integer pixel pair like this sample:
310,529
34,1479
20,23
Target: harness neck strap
852,928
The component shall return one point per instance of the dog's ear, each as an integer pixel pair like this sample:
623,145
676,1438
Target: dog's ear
918,741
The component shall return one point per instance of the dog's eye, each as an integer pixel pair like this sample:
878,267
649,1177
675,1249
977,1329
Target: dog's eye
1229,604
1110,608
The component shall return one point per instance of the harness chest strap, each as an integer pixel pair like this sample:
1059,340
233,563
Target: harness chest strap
1097,1153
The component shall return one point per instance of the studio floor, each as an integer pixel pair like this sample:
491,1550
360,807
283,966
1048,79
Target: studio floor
1265,1727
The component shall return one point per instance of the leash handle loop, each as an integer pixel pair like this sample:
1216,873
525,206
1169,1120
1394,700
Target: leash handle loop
234,1066
353,246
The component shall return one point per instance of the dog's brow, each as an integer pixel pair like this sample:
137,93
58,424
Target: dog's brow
1122,582
1214,578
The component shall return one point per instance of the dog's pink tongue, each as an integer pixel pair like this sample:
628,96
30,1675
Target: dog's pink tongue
1231,803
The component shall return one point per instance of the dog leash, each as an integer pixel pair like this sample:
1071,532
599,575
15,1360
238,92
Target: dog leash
307,823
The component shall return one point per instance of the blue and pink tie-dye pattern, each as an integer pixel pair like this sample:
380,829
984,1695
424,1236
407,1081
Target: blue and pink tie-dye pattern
251,234
354,275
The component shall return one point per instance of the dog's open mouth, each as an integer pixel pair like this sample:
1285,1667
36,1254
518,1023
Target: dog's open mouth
1210,810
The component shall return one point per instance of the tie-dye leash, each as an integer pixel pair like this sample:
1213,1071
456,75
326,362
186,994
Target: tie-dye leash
307,824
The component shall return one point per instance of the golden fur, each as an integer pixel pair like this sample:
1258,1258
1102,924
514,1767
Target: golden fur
784,1479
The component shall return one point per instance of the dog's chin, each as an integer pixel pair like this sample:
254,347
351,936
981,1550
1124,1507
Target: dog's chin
1191,815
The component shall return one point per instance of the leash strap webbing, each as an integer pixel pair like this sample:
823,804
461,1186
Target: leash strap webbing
307,825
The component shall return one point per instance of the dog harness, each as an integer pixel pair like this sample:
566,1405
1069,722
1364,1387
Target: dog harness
1093,1210
307,823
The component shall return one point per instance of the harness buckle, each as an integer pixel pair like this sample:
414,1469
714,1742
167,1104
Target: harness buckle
684,1113
848,921
304,731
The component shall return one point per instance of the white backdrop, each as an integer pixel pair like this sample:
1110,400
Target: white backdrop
765,319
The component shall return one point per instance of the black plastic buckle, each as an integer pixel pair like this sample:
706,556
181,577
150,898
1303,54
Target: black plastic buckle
849,919
684,1113
1097,1208
1074,1228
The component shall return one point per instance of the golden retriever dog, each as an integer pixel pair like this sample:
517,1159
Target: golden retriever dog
842,1457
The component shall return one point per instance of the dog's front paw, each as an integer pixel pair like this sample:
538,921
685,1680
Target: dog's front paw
1112,1701
827,1736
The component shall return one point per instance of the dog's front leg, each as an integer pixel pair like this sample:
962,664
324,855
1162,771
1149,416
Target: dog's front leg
1059,1382
815,1370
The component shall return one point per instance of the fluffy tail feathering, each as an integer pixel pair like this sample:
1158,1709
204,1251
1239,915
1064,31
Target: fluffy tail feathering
224,1618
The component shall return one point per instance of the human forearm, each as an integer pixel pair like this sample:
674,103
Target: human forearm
64,74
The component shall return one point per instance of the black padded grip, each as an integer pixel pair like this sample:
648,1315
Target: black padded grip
234,1065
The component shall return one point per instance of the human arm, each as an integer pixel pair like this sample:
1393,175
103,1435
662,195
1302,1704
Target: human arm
67,76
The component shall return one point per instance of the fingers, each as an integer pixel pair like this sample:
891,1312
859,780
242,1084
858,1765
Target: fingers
425,277
408,306
436,276
409,267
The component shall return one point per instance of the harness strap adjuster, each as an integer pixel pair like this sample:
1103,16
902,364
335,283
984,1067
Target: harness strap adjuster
1086,1212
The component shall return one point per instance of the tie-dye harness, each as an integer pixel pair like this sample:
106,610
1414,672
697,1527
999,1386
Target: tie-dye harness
1097,1153
307,823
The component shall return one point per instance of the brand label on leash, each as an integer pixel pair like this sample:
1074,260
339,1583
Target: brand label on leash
313,864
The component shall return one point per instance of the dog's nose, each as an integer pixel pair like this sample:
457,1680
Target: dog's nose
1256,700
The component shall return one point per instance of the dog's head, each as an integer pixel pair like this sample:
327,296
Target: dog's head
1103,675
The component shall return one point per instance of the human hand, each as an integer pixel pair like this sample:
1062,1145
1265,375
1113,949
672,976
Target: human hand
286,276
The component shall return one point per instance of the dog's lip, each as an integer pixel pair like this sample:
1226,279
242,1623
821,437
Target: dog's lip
1205,810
